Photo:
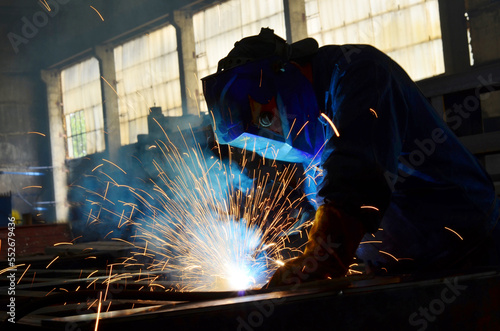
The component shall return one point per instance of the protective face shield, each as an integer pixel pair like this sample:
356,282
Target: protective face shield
266,105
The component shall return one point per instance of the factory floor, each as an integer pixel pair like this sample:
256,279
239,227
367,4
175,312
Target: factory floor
71,287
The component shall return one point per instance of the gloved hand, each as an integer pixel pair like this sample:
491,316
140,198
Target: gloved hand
333,240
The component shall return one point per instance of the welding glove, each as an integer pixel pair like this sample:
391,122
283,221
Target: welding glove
333,240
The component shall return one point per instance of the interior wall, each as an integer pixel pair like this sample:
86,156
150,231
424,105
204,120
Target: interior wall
484,24
36,39
24,135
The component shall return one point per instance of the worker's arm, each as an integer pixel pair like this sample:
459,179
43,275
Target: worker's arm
367,107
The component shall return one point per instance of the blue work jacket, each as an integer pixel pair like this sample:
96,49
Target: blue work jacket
394,153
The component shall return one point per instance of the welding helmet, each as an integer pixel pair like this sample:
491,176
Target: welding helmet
262,102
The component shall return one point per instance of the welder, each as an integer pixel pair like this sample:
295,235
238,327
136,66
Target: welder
397,189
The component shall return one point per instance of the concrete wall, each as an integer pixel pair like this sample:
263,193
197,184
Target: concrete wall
34,38
484,23
24,133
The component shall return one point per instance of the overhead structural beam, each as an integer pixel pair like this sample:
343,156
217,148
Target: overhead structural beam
105,55
295,20
454,36
186,48
52,79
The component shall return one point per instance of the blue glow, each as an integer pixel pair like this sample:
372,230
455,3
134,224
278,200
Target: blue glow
22,173
272,149
227,256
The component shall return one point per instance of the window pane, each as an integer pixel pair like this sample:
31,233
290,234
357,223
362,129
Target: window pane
147,72
82,108
408,30
217,28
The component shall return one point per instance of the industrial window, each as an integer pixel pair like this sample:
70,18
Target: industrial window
407,30
82,106
217,28
147,74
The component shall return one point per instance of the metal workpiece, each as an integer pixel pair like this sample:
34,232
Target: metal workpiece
357,302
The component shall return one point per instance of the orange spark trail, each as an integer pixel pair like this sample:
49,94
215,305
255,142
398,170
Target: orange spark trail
115,165
374,112
23,274
45,4
383,252
35,132
50,291
98,312
213,119
48,265
455,232
102,19
370,207
33,279
32,186
331,124
109,85
300,130
63,243
291,128
107,286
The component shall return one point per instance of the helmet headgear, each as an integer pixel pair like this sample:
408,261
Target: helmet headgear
260,101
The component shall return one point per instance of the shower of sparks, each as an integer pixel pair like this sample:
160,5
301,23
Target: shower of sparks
203,223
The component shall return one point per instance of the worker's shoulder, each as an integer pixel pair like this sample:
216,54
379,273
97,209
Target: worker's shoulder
352,53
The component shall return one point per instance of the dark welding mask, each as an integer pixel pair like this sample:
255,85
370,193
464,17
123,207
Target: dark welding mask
265,104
